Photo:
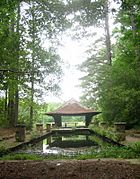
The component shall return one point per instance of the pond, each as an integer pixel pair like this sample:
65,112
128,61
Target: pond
65,144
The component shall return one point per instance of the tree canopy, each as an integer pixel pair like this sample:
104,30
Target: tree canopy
116,88
28,68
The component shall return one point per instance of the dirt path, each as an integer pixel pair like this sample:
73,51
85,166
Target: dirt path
6,132
130,139
72,169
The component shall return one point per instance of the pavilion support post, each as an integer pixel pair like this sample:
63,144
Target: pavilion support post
88,119
49,140
58,121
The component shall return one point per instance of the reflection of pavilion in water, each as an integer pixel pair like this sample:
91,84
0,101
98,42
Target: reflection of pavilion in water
69,141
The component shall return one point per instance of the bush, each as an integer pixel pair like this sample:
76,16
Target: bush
2,150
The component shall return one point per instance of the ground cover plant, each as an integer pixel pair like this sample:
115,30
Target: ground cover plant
131,151
107,132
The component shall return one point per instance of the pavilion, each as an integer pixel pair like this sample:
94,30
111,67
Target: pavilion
72,108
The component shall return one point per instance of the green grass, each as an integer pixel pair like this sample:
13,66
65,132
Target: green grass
129,152
21,157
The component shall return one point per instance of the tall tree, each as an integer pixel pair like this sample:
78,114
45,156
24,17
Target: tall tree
93,14
9,56
40,22
100,53
23,58
120,89
107,33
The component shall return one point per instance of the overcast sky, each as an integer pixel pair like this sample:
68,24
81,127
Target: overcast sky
72,53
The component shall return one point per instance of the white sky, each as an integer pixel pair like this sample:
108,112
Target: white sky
72,53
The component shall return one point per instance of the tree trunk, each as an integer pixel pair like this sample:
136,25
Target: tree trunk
32,67
11,83
32,101
6,101
13,92
107,34
11,108
17,59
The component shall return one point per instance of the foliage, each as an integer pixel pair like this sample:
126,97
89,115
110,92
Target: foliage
128,152
113,152
115,89
119,91
102,144
135,146
73,119
92,69
25,62
2,151
39,112
111,73
108,132
89,12
3,122
21,157
34,134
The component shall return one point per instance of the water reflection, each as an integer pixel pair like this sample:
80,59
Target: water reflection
67,144
63,145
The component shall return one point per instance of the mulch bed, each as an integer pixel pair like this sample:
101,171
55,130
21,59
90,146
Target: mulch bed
72,169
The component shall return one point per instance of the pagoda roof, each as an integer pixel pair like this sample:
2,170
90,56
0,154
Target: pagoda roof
72,107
